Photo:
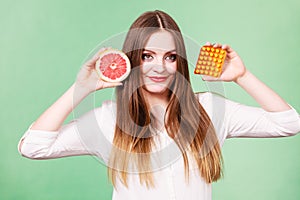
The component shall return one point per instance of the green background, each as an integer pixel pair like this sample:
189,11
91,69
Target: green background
43,44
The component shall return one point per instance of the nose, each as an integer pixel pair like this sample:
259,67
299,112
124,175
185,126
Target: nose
159,65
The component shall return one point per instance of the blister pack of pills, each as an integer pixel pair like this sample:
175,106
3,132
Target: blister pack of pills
210,61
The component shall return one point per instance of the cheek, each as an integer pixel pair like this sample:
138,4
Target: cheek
145,68
172,68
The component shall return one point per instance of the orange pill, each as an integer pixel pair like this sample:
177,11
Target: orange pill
210,61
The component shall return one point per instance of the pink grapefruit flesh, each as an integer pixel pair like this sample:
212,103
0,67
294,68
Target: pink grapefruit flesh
113,65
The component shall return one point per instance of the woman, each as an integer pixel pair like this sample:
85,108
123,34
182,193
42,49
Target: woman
155,108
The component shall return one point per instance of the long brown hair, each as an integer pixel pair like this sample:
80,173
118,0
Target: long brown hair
186,122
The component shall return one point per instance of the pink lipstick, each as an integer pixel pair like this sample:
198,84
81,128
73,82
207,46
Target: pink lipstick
158,79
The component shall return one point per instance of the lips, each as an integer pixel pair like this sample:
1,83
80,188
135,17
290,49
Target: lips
158,78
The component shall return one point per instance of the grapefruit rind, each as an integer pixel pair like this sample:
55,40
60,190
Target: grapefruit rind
112,51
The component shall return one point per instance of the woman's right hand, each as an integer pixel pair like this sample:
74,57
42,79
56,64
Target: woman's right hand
88,79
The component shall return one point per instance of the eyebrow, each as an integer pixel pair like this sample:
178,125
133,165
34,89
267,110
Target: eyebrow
155,53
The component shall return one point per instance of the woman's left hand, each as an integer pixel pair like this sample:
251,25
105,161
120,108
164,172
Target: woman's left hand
233,67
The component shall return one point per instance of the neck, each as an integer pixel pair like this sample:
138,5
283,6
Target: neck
156,99
157,103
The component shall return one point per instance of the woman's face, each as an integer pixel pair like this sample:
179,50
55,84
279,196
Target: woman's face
159,62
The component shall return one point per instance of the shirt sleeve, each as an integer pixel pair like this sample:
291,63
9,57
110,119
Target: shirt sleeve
238,120
248,121
90,134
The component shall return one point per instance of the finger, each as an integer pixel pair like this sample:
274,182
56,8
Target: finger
217,45
230,55
222,77
93,60
208,44
209,78
227,48
100,50
110,85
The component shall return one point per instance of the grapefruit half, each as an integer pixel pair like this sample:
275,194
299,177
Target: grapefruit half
113,65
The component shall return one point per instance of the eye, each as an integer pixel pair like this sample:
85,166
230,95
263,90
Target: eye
146,57
171,57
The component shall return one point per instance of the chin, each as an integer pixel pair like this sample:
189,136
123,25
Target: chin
156,89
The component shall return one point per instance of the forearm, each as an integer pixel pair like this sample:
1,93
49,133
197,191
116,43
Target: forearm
265,96
53,118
